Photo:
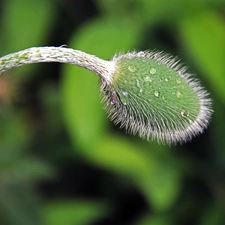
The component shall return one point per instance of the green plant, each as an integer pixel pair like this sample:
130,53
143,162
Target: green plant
146,92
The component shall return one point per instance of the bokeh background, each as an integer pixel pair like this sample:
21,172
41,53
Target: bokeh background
62,161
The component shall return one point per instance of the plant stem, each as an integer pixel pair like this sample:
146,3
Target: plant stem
99,66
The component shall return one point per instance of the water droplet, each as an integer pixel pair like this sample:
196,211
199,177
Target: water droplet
184,113
178,94
124,97
148,79
152,70
132,69
166,79
157,94
138,83
178,81
141,90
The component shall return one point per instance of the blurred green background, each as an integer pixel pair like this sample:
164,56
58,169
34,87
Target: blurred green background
62,161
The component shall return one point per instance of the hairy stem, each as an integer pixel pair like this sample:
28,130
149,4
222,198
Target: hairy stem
100,67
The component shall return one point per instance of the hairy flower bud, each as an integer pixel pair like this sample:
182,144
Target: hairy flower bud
152,95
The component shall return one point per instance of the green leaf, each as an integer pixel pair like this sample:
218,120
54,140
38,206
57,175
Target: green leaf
25,24
72,212
150,219
22,27
158,180
203,35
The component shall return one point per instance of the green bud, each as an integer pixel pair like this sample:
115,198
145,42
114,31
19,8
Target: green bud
151,94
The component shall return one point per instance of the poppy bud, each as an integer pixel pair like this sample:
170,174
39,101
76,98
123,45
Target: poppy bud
152,95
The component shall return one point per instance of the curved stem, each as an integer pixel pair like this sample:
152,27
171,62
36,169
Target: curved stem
99,66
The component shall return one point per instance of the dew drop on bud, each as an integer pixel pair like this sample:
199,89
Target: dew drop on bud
152,70
124,98
156,93
184,113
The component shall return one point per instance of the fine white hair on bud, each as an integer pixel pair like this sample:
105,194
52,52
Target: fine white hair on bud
152,94
148,93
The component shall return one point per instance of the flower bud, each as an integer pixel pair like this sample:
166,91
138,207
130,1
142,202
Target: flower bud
152,95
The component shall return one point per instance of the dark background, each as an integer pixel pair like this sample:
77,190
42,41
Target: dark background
62,161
